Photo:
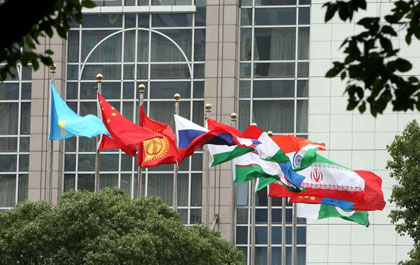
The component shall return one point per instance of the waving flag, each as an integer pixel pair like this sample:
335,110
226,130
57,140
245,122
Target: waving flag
325,178
125,134
192,136
300,151
65,123
373,196
158,150
321,211
268,150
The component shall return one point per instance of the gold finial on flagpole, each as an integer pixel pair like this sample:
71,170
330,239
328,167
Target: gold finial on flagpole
233,116
208,107
142,87
270,133
53,68
177,96
99,77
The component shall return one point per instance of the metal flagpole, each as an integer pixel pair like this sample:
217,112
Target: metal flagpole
50,173
139,170
233,118
269,221
253,218
283,231
99,78
177,97
207,170
294,235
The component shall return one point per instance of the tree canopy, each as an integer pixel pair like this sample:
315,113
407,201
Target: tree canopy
405,168
25,23
107,228
374,73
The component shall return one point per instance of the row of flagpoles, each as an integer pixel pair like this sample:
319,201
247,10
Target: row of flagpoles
272,156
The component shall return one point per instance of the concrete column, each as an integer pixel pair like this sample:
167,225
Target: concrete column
221,82
39,144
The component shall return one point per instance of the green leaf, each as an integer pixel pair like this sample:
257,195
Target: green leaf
403,65
88,4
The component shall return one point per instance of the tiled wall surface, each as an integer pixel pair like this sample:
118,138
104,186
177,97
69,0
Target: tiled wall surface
354,140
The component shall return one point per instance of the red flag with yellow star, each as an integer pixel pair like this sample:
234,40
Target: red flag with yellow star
125,134
158,150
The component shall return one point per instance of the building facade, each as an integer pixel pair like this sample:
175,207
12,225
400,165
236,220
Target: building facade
263,59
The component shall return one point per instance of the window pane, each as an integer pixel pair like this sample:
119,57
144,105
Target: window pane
260,255
274,89
108,180
274,2
184,216
109,72
302,116
246,16
182,189
23,163
107,51
244,89
102,21
275,16
71,91
69,182
7,190
69,162
164,50
86,162
200,45
8,118
8,144
196,187
86,182
160,185
241,235
246,42
109,162
241,215
275,44
171,20
304,15
244,114
73,46
167,90
170,71
23,187
282,70
126,182
8,163
302,88
25,119
200,16
303,44
9,91
143,46
26,92
195,216
129,46
242,194
274,115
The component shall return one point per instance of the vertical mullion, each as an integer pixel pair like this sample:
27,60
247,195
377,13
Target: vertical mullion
18,133
296,69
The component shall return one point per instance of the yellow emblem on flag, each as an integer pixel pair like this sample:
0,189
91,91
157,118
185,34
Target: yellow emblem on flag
155,148
62,125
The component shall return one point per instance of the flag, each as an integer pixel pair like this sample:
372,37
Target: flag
223,153
65,123
373,196
251,166
325,178
158,150
300,151
191,136
321,211
268,150
125,134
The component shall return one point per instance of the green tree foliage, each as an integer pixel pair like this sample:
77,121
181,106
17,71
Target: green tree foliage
24,24
107,228
405,168
372,67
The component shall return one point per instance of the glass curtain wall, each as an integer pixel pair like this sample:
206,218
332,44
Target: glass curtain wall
15,114
128,50
143,2
273,92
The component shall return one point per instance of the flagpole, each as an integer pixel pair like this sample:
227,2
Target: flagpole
294,235
253,218
50,173
139,170
177,97
283,231
233,118
207,170
269,221
99,78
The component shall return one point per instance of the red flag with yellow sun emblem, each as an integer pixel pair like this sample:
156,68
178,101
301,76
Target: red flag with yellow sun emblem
158,150
125,134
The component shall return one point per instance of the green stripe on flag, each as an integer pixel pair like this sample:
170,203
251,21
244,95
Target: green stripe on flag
355,216
219,158
249,172
279,157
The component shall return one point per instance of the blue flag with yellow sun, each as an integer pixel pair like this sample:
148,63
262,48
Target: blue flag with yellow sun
65,123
